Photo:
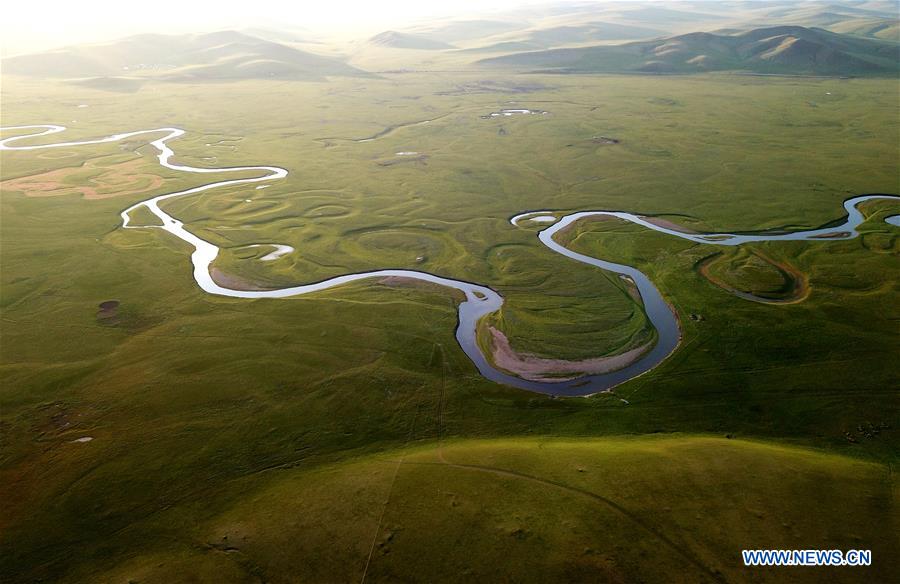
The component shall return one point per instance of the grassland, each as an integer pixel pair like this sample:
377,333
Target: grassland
199,405
674,509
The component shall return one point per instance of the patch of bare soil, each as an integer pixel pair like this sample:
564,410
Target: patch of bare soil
119,179
632,289
233,282
666,224
835,235
534,368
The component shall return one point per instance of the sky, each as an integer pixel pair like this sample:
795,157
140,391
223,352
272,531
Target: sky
31,25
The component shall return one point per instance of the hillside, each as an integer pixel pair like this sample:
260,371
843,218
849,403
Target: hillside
870,19
399,40
880,28
555,36
513,510
213,56
462,30
782,49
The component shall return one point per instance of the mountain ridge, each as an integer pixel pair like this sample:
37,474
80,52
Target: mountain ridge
218,55
776,49
401,40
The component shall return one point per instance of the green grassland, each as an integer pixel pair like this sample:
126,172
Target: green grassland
201,407
674,509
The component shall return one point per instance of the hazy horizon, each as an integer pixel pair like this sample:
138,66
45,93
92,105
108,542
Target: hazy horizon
72,23
97,21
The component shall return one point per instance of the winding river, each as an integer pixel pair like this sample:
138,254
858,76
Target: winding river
479,300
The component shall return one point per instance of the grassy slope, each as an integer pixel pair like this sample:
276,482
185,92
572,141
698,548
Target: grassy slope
179,411
882,28
677,509
768,50
219,55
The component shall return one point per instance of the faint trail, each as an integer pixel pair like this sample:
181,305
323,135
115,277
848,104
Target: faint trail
684,552
380,521
681,550
387,499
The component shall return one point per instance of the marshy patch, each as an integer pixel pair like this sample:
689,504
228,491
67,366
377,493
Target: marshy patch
505,113
127,317
108,312
494,87
754,276
663,101
403,157
327,210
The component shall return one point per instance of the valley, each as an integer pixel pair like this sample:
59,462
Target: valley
468,299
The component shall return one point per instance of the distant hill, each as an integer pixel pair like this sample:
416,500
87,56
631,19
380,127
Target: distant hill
543,38
658,15
834,8
871,19
288,35
879,28
782,49
215,56
401,40
462,30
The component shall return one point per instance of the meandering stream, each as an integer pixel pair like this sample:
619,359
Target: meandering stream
479,300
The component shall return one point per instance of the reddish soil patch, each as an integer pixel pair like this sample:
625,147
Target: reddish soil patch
117,179
534,368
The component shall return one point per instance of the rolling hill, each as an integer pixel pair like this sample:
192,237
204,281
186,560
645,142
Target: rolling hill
555,36
464,30
214,56
861,19
782,49
399,40
879,28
